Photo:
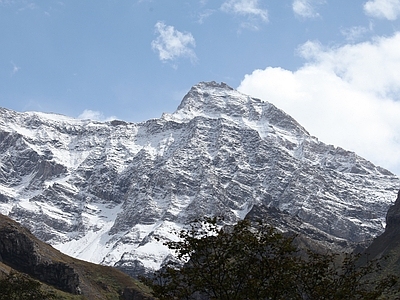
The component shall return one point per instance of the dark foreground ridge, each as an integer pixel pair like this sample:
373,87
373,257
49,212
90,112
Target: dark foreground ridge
21,251
388,244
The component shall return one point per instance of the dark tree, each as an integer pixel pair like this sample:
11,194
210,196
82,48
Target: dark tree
335,277
254,261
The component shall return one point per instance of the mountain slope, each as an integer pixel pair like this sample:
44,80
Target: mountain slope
112,192
23,252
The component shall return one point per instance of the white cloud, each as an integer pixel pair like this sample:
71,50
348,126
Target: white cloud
88,114
245,7
383,9
347,96
306,8
172,44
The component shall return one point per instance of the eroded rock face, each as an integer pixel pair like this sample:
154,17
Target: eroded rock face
19,250
113,192
308,237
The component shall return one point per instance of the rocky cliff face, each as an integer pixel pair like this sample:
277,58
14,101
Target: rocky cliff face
19,250
112,192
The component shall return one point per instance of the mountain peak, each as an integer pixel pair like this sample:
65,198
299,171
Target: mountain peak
112,193
212,99
219,100
213,85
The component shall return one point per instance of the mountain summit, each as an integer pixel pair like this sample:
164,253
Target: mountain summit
218,100
112,192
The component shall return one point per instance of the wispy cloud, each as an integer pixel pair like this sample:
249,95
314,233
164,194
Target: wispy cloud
383,9
172,44
205,14
88,114
28,6
348,96
249,8
15,69
6,2
306,8
355,33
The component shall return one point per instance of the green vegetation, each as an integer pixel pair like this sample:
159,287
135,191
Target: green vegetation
110,282
248,261
21,287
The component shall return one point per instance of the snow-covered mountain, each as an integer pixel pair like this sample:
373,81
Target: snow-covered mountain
112,192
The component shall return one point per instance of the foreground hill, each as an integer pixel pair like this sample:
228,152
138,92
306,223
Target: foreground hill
23,252
388,244
112,192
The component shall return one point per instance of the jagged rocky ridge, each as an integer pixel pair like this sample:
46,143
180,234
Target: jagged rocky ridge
112,192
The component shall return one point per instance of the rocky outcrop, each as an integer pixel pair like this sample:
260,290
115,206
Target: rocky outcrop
19,250
132,294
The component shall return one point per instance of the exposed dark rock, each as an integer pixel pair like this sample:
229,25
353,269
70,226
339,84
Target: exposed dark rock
132,294
134,268
118,122
19,250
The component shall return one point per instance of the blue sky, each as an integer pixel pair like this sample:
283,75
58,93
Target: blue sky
334,65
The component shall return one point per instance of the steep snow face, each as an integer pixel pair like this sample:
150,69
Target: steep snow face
113,192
